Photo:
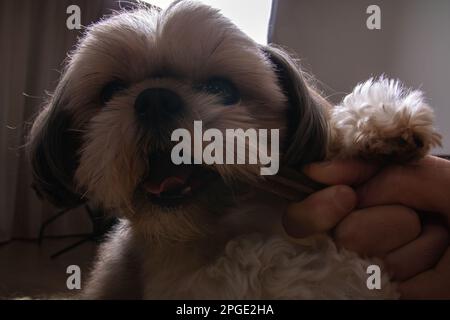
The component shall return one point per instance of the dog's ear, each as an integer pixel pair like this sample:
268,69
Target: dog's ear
307,127
52,148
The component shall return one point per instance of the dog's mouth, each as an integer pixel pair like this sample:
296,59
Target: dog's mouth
172,185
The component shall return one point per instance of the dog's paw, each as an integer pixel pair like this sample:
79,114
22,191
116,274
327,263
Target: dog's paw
381,119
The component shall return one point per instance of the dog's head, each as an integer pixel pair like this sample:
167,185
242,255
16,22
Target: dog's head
135,77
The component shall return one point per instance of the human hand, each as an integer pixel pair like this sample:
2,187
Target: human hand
425,187
381,223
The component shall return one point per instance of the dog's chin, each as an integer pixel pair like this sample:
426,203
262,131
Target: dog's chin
173,186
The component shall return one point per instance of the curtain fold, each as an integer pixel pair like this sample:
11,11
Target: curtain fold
34,42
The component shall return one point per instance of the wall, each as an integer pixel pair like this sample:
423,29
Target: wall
335,45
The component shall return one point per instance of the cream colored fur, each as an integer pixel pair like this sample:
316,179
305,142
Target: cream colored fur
382,118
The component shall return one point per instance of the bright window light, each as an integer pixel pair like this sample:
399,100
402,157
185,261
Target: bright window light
251,16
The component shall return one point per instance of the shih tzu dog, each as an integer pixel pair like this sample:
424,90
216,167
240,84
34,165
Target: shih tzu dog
208,231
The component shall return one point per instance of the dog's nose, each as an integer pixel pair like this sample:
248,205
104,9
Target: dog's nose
155,105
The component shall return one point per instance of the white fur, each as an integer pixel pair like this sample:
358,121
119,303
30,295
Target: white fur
377,111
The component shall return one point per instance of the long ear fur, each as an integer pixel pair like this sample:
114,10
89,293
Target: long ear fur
307,127
52,148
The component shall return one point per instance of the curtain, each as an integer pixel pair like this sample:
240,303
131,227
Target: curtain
34,42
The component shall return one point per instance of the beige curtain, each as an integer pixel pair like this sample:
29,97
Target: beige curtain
34,42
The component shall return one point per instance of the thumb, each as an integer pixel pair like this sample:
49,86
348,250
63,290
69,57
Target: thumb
320,212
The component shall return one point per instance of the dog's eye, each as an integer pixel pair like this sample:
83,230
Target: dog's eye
223,88
111,89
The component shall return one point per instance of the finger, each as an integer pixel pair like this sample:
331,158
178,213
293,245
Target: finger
422,186
419,255
319,212
432,284
378,230
348,172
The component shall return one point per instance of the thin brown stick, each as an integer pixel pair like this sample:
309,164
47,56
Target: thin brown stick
289,184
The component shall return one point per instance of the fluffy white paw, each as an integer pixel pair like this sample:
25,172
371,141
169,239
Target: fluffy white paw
382,119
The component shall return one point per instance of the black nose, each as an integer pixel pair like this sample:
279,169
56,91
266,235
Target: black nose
155,105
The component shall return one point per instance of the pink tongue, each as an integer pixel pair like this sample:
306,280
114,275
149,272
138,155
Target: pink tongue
168,184
165,176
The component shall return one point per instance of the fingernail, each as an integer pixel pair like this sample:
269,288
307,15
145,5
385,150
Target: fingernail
345,198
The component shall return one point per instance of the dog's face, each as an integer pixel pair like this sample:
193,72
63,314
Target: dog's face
105,136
